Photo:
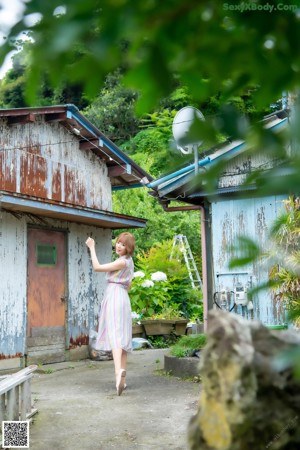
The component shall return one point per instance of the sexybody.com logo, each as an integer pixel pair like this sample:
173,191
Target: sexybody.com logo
251,6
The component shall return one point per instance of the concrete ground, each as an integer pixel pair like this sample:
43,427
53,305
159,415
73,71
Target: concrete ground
78,408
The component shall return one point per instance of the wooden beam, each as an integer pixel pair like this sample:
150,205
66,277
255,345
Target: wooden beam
116,170
24,118
55,117
87,145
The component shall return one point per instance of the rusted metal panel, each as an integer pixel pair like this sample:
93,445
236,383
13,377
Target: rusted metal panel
8,163
252,218
43,160
33,175
78,341
75,186
56,186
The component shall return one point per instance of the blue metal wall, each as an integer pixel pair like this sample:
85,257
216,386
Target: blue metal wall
247,217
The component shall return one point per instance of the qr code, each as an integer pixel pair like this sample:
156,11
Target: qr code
15,434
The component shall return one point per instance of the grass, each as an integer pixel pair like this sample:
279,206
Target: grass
187,345
49,370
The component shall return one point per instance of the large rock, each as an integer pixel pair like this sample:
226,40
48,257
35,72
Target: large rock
246,403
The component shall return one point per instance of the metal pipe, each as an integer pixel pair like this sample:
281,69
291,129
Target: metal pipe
204,269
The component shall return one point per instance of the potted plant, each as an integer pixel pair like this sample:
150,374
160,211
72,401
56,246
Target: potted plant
168,321
157,326
183,358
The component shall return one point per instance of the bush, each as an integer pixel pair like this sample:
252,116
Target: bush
187,345
162,284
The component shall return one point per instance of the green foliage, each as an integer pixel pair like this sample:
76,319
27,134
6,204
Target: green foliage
244,252
173,297
189,39
148,297
157,258
161,341
112,111
168,312
13,86
285,274
161,226
187,345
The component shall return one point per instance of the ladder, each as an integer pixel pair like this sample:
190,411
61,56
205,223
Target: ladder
181,242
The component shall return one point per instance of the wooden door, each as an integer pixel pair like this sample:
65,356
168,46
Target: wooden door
46,296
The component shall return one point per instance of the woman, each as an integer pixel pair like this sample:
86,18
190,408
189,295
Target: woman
115,322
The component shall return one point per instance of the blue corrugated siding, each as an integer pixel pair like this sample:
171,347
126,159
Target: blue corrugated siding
253,218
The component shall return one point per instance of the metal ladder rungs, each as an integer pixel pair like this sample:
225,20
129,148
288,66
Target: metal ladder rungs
184,247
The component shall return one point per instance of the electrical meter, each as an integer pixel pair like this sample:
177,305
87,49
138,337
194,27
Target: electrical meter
240,295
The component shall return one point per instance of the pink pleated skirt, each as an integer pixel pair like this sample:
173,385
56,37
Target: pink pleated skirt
115,322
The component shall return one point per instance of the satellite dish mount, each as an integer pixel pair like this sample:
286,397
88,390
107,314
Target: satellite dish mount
186,132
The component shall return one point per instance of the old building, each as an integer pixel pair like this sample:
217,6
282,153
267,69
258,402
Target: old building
57,176
229,211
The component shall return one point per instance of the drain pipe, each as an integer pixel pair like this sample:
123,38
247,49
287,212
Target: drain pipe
204,268
203,253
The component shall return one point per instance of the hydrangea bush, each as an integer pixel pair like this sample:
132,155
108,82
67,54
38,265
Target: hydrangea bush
149,293
161,286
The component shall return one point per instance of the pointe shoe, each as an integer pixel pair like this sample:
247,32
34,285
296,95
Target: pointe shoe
121,382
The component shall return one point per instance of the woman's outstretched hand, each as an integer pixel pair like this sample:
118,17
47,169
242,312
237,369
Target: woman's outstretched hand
90,243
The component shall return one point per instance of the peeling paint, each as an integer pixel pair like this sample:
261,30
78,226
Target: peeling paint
17,355
78,341
252,218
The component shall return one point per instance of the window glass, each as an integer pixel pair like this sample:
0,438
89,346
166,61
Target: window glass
46,254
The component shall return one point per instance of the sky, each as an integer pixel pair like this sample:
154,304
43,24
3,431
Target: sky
10,13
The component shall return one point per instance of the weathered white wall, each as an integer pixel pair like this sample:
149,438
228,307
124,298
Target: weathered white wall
252,218
84,287
13,284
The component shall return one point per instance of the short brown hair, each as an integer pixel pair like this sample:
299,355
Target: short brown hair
128,240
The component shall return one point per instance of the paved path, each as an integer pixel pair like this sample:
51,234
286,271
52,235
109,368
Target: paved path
79,409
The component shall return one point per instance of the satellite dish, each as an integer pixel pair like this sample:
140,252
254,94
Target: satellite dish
185,130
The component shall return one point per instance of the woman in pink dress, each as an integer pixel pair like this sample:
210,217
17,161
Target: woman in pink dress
115,322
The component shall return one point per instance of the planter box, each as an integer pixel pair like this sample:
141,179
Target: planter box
180,327
195,328
138,330
158,327
182,367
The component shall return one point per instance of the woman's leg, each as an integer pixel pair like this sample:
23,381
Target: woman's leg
117,355
120,360
124,359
